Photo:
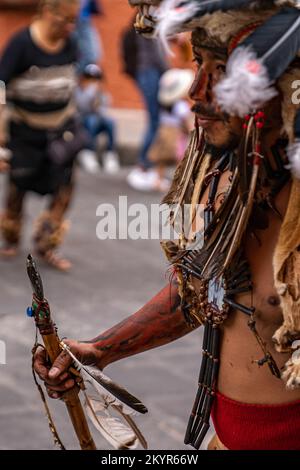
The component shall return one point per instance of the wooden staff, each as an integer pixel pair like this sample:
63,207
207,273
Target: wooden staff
41,313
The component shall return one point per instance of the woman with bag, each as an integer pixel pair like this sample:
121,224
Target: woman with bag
38,125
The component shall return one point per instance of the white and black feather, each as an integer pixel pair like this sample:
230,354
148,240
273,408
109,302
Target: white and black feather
100,380
258,62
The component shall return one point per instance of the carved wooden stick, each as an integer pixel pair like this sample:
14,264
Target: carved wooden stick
46,327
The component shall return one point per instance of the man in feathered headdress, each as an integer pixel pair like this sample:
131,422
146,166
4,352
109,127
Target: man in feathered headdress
239,273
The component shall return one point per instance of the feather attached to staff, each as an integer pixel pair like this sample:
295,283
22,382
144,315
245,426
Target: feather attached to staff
99,380
120,434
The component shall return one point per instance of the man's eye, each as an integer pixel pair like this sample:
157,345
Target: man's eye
198,60
221,68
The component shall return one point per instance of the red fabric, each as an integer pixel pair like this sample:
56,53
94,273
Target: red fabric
242,426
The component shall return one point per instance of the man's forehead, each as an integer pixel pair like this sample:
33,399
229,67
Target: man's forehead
68,8
137,3
215,53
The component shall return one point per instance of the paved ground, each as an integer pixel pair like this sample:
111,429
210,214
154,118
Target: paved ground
110,280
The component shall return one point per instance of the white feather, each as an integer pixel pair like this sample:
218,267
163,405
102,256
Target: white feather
121,435
170,16
246,86
293,152
117,433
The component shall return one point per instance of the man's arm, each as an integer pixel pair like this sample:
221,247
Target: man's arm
159,322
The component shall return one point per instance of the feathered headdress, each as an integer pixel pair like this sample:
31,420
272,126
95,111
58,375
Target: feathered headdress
177,15
258,62
262,39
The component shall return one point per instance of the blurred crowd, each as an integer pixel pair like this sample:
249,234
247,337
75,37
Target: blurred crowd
57,115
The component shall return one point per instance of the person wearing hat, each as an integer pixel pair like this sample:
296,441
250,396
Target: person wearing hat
174,122
92,102
235,268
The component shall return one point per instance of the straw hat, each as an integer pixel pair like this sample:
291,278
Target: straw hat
174,85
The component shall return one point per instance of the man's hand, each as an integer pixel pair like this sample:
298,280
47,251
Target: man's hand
57,379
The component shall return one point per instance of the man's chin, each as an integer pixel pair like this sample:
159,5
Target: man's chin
212,139
228,142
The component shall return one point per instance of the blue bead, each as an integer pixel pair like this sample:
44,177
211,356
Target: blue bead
29,312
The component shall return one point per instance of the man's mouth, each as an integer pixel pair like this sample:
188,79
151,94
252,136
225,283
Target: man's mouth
205,118
205,121
145,19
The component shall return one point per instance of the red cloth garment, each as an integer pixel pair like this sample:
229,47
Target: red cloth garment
243,426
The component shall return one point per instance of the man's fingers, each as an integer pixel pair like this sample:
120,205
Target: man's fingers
42,369
62,386
40,363
56,378
53,394
58,382
60,365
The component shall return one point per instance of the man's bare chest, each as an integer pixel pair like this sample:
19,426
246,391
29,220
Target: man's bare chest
258,247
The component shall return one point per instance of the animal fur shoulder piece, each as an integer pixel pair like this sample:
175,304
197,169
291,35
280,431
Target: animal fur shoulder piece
286,84
221,25
224,25
286,264
290,3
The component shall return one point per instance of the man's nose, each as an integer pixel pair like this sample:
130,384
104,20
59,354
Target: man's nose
201,87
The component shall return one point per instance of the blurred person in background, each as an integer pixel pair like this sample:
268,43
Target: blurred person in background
89,40
145,62
174,123
92,102
39,127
